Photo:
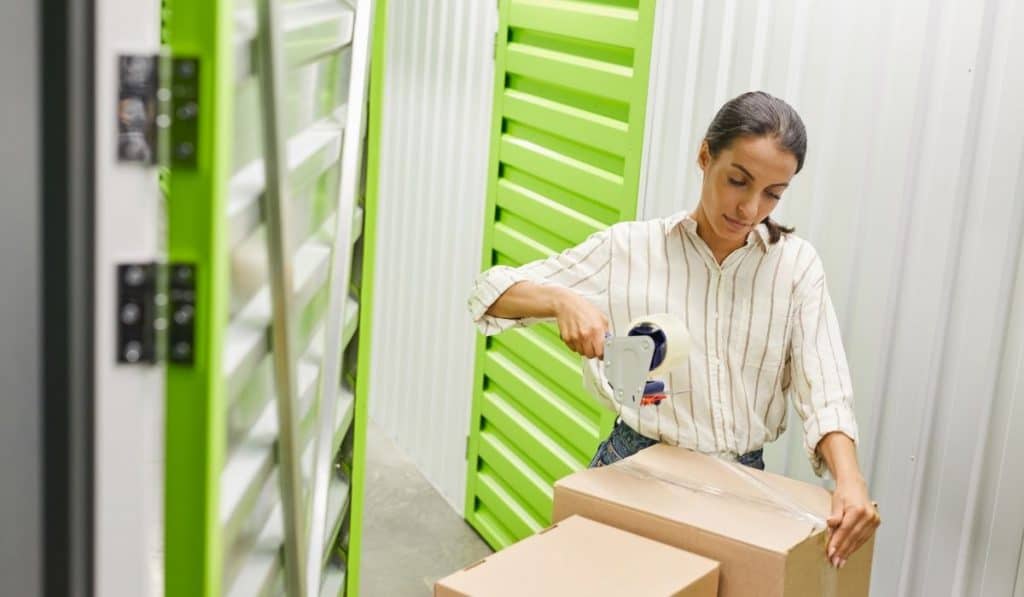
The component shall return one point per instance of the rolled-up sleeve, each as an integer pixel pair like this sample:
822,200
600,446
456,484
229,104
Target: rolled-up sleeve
822,390
583,269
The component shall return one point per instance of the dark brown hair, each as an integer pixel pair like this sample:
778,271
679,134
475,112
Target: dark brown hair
758,114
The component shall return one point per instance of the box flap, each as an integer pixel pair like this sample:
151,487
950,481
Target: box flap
700,491
582,557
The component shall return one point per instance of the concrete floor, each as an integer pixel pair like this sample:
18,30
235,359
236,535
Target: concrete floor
411,535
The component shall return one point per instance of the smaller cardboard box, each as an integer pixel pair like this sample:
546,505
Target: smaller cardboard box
583,557
759,526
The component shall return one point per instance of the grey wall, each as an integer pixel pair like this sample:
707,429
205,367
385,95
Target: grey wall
20,490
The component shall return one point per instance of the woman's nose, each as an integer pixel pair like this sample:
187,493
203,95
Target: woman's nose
747,209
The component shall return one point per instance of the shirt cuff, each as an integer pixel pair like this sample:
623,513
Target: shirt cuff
490,285
822,422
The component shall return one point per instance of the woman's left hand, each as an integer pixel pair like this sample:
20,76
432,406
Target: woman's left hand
853,521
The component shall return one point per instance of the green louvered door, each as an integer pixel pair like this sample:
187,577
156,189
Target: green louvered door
570,95
264,419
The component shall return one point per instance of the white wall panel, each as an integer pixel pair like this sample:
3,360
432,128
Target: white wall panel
129,400
433,183
913,193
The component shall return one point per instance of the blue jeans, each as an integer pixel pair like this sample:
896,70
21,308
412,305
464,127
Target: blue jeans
624,442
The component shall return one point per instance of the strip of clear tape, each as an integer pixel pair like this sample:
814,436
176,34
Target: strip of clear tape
767,498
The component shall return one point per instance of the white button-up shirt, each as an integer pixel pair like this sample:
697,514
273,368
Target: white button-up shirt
762,328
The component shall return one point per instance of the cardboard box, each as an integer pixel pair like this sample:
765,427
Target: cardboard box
583,557
665,493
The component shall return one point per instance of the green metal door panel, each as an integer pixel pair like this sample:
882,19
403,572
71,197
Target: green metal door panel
195,398
224,502
567,137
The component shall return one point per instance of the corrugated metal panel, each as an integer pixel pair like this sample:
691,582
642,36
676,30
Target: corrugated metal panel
913,194
571,92
433,156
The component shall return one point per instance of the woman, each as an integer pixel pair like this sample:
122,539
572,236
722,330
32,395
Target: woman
754,299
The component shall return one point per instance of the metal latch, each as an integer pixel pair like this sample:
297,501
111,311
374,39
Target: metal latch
156,307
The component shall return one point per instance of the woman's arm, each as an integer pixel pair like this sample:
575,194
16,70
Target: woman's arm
823,396
581,325
854,516
550,289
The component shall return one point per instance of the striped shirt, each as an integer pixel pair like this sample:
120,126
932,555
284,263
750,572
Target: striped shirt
762,328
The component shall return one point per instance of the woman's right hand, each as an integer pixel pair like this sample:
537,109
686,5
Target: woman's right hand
581,325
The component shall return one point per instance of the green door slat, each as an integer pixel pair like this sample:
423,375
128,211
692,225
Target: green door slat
507,462
558,363
573,226
553,459
489,527
539,232
582,20
570,98
564,420
591,76
307,39
563,171
584,127
594,211
518,246
505,504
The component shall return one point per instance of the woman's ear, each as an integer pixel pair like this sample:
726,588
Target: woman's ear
704,156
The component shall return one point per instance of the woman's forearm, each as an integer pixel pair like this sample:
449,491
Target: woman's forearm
840,454
527,299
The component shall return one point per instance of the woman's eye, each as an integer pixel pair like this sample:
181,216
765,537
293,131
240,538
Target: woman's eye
736,183
774,196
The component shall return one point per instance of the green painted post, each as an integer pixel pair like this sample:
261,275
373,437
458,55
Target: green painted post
195,428
378,61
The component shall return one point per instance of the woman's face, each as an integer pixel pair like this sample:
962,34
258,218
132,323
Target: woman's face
743,184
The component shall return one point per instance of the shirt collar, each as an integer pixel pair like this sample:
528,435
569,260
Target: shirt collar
760,232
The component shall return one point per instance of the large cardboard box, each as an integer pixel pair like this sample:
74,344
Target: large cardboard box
583,557
756,524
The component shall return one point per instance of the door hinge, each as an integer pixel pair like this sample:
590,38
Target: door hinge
158,110
137,313
183,115
155,313
181,296
138,84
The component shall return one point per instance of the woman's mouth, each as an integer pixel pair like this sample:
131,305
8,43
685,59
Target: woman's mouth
735,225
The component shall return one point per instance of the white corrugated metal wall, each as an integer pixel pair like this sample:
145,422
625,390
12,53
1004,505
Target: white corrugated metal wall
913,193
433,184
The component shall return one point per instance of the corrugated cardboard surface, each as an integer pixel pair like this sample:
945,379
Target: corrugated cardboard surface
763,550
582,557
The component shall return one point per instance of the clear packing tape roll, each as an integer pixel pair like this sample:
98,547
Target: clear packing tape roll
768,498
677,340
